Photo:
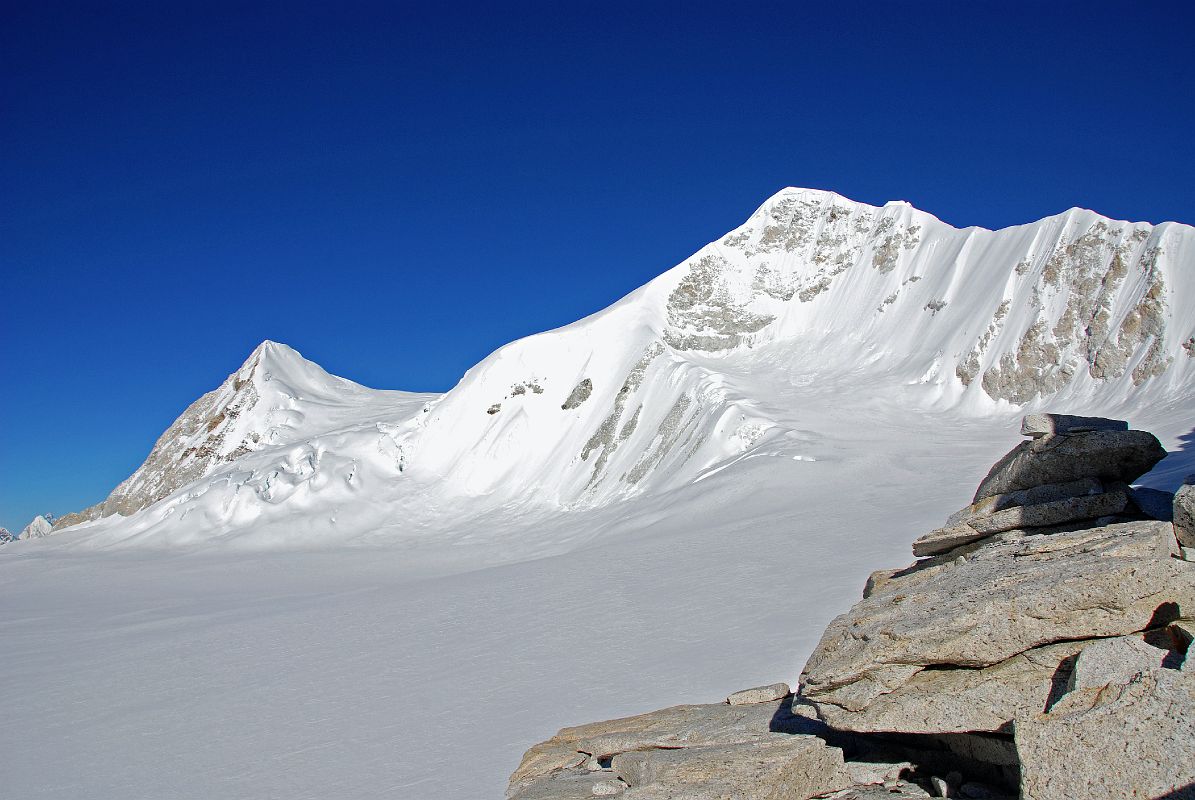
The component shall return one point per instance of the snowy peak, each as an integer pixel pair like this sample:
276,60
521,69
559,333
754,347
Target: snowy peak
814,299
40,526
275,397
1076,302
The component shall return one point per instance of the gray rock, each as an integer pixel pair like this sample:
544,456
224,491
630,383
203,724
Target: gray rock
1114,660
1053,513
566,785
578,395
979,791
1026,497
608,788
939,786
1107,455
1122,740
1184,513
877,579
1016,592
942,540
679,726
961,700
1153,503
782,767
868,773
760,694
892,790
1036,425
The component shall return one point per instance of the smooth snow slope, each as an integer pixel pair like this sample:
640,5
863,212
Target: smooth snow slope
396,602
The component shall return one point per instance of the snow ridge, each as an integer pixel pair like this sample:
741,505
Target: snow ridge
689,374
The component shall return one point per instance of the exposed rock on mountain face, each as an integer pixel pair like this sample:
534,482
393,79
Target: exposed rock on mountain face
1052,657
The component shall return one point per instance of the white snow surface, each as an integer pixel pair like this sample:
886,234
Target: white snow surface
395,595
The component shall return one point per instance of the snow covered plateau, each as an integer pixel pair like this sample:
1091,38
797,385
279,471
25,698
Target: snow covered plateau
313,589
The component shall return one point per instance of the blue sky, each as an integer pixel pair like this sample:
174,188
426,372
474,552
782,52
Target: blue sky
397,189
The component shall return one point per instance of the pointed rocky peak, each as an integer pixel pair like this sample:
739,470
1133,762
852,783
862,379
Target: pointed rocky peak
275,368
40,526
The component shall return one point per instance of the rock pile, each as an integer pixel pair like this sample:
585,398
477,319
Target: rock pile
1037,644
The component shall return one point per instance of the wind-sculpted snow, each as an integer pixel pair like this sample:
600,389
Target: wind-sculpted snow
681,378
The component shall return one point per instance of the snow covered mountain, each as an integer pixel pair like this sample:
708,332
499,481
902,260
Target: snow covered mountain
39,526
700,368
276,397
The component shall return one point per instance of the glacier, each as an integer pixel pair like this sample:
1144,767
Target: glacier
314,589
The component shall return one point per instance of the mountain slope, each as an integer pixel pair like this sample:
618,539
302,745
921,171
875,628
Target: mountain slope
702,367
276,397
1075,308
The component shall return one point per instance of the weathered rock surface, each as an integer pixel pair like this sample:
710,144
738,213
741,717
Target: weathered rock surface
781,767
568,785
1132,739
1115,660
1053,513
938,541
1014,593
1026,497
1020,517
760,694
1036,425
893,790
1184,513
962,700
1108,455
678,726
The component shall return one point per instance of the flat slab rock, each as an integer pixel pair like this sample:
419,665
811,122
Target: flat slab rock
760,694
698,752
678,726
1121,456
1026,497
781,767
939,701
1014,593
1130,738
1041,515
1044,424
1115,660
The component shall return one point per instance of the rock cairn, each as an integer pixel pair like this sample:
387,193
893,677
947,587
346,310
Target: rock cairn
1036,646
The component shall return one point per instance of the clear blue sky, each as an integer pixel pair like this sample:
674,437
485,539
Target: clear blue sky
396,189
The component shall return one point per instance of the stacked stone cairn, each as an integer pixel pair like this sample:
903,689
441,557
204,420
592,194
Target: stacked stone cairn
1036,648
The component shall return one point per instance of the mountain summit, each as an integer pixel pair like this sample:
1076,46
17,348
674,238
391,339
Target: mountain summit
815,299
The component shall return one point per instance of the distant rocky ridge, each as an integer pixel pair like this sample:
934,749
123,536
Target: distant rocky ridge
1038,648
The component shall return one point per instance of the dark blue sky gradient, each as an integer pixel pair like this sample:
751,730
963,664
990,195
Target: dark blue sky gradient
397,189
